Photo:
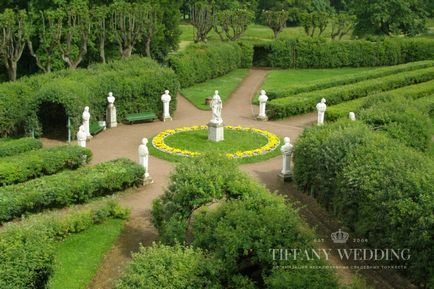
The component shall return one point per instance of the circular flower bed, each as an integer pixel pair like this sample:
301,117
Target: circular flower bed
273,142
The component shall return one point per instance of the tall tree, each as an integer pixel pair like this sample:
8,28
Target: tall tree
389,17
342,24
202,19
99,26
276,20
47,29
76,31
231,24
14,29
152,25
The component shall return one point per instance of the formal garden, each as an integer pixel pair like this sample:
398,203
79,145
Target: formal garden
238,144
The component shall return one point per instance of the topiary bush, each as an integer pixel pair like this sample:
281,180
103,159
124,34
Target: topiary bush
162,267
33,164
69,187
322,53
27,248
10,147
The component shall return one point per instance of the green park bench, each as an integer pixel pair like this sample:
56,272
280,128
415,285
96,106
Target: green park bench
95,128
141,116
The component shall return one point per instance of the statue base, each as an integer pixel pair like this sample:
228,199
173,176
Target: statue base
111,119
147,181
167,118
287,177
215,132
262,117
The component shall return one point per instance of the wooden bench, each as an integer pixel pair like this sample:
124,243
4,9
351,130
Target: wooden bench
141,116
95,128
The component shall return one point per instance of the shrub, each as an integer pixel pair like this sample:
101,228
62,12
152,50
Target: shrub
320,53
425,104
33,164
14,107
246,55
197,182
347,79
408,92
305,102
162,267
242,232
200,62
69,187
10,147
27,248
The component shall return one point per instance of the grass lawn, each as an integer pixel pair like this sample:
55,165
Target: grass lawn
198,141
226,84
77,257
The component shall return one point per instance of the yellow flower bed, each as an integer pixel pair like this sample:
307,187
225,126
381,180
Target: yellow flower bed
272,144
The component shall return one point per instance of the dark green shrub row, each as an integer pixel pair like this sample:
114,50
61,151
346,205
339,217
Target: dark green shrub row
322,53
426,104
10,147
137,84
27,248
377,186
416,91
201,62
33,164
213,206
68,187
306,102
348,79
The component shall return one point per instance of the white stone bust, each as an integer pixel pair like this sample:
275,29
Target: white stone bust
216,106
111,98
286,148
263,97
352,116
166,96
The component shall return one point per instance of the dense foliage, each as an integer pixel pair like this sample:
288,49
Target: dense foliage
201,62
68,187
33,164
305,102
27,248
10,147
347,167
137,84
320,53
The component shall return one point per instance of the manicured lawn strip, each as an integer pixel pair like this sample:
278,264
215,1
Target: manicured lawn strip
174,158
283,83
77,258
69,187
34,164
306,102
417,91
10,147
226,84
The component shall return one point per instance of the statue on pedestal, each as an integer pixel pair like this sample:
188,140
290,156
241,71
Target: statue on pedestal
216,106
86,121
144,158
321,108
81,136
263,98
286,151
166,98
111,117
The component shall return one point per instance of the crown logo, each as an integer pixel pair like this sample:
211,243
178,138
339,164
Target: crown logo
340,237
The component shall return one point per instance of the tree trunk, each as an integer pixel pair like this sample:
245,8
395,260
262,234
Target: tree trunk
148,47
126,52
12,70
102,50
276,33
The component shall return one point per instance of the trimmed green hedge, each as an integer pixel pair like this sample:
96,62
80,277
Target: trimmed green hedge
378,187
10,147
426,104
322,53
347,79
69,187
27,248
33,164
137,83
410,92
201,62
306,102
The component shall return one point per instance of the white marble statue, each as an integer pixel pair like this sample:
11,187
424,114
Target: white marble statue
81,136
144,156
352,116
86,121
216,106
263,98
111,116
286,151
166,98
321,108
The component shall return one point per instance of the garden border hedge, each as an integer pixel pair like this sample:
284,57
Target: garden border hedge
11,147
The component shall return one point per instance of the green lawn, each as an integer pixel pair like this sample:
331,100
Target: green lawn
226,84
78,256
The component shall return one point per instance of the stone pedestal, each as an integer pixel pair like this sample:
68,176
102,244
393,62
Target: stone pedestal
215,132
263,98
166,113
111,118
262,117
